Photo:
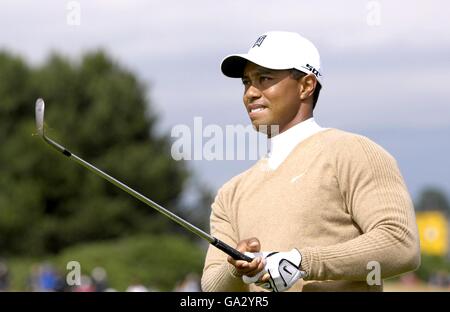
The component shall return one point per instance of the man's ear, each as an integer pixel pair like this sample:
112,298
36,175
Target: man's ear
307,85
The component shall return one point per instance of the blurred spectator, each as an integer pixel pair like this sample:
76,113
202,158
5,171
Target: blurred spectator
409,279
44,277
48,279
99,279
33,278
440,279
137,286
4,276
86,285
191,283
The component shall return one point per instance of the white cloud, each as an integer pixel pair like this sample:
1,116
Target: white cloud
171,27
182,42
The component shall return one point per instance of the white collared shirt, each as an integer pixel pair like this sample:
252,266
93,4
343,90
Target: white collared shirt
282,144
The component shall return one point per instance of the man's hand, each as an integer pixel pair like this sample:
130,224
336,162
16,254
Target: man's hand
282,271
248,246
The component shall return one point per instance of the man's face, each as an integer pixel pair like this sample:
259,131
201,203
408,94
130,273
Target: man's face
271,97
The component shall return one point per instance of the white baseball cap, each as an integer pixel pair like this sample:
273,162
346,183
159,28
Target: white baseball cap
277,50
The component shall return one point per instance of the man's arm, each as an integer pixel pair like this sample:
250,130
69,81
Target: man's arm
218,274
376,197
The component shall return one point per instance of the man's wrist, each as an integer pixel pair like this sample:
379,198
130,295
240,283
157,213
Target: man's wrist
305,264
303,273
233,271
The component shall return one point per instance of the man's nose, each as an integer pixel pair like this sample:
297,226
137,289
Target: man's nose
252,94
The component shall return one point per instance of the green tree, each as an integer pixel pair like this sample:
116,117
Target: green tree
99,110
433,199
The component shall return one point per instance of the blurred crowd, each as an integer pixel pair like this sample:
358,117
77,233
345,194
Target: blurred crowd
44,277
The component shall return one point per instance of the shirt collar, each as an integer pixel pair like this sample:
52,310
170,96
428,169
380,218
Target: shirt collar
282,144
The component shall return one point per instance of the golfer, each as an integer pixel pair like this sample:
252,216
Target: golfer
325,210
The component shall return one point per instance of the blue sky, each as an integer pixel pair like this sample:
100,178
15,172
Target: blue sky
388,80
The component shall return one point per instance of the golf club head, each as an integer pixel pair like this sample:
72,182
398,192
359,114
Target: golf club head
40,106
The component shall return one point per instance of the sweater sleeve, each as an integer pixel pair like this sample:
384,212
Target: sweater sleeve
218,274
376,197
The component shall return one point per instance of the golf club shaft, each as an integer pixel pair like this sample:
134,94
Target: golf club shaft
210,239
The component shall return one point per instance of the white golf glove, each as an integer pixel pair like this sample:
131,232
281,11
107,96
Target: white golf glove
254,279
283,268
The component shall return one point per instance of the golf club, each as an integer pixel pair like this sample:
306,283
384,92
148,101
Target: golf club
40,106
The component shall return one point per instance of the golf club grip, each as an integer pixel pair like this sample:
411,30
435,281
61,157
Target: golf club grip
236,255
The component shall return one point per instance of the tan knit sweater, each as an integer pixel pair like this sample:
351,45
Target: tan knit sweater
339,198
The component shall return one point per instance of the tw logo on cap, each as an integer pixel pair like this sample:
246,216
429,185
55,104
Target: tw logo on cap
259,41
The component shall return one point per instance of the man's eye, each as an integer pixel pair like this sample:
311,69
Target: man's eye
245,82
265,78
